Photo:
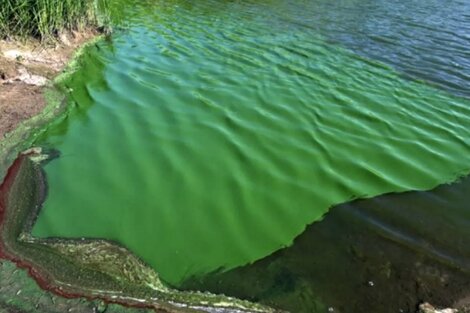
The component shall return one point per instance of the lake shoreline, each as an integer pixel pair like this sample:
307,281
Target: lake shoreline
29,99
27,69
92,269
32,95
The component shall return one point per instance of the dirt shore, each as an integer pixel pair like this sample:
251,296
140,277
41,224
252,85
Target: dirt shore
26,68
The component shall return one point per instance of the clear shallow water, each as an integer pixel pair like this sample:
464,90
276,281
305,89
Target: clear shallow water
387,254
208,135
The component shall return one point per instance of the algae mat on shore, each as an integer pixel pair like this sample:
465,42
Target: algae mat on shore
206,135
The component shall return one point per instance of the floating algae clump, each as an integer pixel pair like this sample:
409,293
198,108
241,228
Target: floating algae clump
91,268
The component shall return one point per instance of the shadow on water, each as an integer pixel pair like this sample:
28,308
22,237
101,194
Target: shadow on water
385,254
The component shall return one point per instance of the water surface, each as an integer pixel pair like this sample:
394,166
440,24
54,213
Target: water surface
387,254
205,135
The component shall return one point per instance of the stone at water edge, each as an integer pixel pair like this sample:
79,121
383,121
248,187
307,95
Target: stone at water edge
428,308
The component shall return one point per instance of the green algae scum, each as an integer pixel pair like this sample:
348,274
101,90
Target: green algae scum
202,138
91,268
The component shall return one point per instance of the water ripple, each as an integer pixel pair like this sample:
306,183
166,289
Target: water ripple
209,134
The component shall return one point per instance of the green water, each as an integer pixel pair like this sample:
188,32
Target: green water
206,135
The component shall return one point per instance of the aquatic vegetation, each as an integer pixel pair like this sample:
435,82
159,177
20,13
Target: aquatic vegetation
46,18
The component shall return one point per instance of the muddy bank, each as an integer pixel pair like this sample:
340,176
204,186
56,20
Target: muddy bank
26,69
19,293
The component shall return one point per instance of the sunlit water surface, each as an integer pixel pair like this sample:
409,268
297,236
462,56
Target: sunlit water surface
205,135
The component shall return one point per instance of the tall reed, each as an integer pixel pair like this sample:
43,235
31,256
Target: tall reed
46,18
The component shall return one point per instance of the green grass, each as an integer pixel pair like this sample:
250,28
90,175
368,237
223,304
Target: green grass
46,18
